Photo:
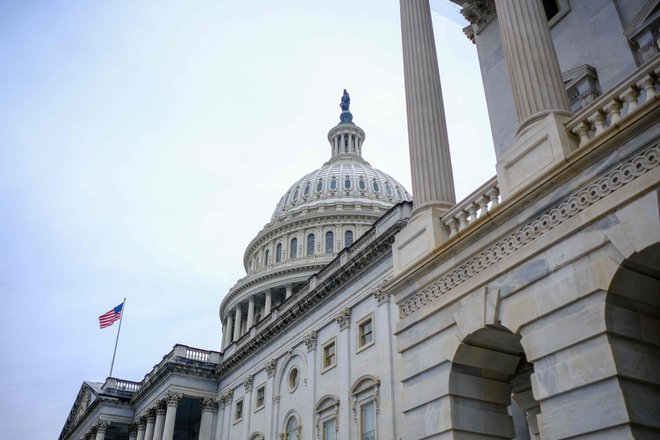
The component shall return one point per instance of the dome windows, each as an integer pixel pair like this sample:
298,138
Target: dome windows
347,182
348,238
295,194
278,253
319,186
307,189
375,186
333,183
362,185
388,189
294,248
329,242
310,245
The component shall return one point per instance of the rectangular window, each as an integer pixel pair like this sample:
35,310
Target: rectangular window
329,355
238,411
365,332
368,421
261,398
329,429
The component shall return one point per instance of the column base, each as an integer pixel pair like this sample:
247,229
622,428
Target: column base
534,151
421,236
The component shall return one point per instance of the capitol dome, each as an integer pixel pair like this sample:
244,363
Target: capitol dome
322,213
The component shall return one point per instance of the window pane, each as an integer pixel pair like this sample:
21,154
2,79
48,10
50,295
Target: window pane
294,248
329,240
310,244
368,421
319,186
329,430
348,238
292,429
333,184
278,252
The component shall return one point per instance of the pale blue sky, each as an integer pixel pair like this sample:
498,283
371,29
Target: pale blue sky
144,144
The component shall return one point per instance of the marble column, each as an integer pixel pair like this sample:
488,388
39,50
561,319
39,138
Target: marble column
101,427
228,328
160,421
141,425
151,419
432,179
269,302
289,291
132,431
206,424
538,88
250,313
237,322
173,400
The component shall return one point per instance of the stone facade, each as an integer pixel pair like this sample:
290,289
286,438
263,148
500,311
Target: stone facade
530,309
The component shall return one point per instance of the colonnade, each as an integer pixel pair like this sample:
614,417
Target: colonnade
258,306
346,143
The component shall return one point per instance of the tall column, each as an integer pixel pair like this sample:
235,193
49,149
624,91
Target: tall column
432,180
237,322
173,400
250,313
160,421
229,328
151,419
538,88
101,427
132,431
289,290
141,425
269,302
206,424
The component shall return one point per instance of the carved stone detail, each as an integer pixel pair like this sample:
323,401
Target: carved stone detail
271,367
310,340
569,208
479,13
209,404
173,399
101,425
133,429
151,415
343,318
226,398
248,382
142,423
379,291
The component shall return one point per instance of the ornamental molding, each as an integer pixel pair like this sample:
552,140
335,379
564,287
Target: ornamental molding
379,292
479,13
226,398
101,425
574,204
310,340
248,383
132,429
271,367
343,318
151,415
142,423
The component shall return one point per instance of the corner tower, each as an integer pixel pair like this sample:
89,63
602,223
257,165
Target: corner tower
319,215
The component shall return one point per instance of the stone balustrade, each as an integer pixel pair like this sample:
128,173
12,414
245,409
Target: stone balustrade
112,383
472,208
637,91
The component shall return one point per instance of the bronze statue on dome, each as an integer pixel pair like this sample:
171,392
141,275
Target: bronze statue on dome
345,101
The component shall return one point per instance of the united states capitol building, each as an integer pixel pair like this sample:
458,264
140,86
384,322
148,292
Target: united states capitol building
528,310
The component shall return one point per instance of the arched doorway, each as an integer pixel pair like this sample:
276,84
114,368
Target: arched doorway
490,389
632,319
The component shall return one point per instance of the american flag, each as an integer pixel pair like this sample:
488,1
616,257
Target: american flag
108,318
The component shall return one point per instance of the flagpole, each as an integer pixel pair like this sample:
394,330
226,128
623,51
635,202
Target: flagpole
123,309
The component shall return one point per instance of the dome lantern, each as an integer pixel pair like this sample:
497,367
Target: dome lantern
345,138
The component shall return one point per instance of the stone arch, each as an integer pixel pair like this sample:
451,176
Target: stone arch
257,436
295,358
490,388
632,321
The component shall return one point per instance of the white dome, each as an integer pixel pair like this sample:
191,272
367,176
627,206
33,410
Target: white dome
346,179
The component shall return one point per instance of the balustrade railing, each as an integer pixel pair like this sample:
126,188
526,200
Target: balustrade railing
610,109
473,207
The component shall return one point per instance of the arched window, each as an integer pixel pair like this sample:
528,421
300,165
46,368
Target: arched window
307,189
319,186
347,182
292,428
310,245
294,248
266,257
365,396
295,194
329,242
333,183
375,186
327,414
278,253
348,238
362,184
388,189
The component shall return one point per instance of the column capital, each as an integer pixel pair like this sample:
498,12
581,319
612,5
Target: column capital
161,407
141,423
310,340
271,367
173,398
101,425
151,415
133,429
343,318
209,404
248,382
